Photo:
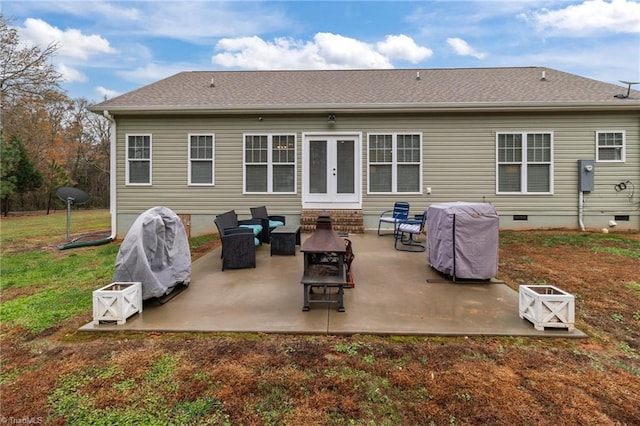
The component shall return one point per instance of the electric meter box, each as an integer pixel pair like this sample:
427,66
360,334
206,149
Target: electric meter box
585,175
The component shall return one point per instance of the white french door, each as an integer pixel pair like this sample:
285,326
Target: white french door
331,171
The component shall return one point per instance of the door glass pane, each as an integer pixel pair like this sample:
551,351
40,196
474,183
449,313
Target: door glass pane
345,166
318,167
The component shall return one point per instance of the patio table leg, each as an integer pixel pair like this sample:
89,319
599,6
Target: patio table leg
307,289
340,299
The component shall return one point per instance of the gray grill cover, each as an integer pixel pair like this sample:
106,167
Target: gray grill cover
156,253
463,239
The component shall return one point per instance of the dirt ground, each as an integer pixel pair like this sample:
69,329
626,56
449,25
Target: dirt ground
304,380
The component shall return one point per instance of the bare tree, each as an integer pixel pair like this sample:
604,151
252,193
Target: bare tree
25,71
67,144
89,163
28,83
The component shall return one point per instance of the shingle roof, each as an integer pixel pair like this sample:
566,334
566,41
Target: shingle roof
371,89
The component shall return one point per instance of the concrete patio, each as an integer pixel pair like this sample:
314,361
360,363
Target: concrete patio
396,293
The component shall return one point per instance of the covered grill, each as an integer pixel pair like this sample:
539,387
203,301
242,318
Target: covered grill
156,253
463,239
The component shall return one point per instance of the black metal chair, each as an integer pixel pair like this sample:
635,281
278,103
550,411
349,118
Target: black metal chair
269,222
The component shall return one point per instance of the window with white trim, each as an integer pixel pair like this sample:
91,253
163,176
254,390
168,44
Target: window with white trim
201,165
524,163
610,146
269,163
395,163
138,159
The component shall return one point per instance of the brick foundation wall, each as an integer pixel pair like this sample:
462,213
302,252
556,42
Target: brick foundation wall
342,220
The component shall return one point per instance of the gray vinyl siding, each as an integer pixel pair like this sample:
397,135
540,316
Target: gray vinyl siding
170,166
458,164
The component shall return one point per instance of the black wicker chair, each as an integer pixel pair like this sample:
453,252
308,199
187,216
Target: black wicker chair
269,222
238,242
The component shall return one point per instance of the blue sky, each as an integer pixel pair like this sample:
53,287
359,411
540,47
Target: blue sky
108,48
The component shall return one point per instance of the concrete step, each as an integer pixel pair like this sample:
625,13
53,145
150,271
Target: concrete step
350,221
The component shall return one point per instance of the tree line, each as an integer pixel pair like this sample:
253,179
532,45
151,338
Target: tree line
47,139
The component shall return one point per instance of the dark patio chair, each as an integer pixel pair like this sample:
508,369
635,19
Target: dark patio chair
406,230
269,222
230,220
399,213
239,241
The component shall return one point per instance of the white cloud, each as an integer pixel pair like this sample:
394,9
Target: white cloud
616,16
325,51
71,75
403,47
462,48
72,42
105,93
346,52
255,53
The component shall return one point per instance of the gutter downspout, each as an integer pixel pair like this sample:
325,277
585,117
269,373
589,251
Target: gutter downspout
112,173
581,209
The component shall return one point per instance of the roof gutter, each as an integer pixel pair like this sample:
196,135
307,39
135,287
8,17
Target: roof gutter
378,108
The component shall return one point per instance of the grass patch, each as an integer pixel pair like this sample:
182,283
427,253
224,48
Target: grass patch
347,348
202,240
635,288
275,405
612,243
34,231
633,253
75,398
52,287
42,268
45,309
43,286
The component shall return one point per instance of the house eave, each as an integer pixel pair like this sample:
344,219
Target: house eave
371,108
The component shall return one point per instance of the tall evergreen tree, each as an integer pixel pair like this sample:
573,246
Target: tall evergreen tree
8,164
23,175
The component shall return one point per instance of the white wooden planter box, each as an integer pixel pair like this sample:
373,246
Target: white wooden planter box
547,306
116,302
